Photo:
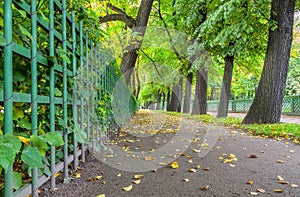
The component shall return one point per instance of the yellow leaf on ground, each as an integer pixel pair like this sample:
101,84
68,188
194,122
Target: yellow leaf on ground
136,182
57,174
206,169
149,158
77,175
101,195
174,165
138,176
294,185
127,189
98,177
261,190
253,193
280,178
192,170
250,182
186,180
283,182
280,161
118,175
196,150
278,190
206,187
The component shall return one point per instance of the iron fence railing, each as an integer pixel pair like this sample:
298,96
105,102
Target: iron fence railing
290,105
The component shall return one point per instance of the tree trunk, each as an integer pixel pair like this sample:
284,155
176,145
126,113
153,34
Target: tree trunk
174,98
200,100
168,99
130,55
158,100
188,90
180,94
225,91
163,101
138,83
133,86
267,103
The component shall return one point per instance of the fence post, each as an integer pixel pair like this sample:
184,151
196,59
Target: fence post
65,90
8,89
87,84
75,97
34,103
52,86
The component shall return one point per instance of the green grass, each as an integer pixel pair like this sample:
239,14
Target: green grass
278,130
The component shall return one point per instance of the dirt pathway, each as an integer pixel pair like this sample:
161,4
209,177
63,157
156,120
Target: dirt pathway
208,160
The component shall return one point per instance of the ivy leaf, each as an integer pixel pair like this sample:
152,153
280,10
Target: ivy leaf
54,139
79,134
25,31
6,157
17,180
39,142
32,157
24,123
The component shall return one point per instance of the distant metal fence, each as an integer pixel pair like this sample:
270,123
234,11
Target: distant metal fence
290,105
80,103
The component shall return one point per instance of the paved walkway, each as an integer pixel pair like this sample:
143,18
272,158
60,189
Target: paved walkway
284,118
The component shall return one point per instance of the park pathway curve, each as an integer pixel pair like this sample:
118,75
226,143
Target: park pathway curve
162,155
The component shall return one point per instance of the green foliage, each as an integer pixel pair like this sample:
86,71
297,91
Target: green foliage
32,157
17,180
11,143
54,139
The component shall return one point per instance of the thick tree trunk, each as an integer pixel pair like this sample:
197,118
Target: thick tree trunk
158,105
225,91
267,103
138,84
200,100
163,101
130,55
188,90
180,94
133,86
168,99
174,98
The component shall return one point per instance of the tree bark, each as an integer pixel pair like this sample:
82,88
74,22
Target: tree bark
138,27
188,90
200,100
180,94
226,85
267,103
158,100
174,98
168,99
138,83
163,101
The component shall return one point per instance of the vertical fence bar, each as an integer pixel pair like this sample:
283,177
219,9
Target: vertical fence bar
65,93
34,104
8,89
81,97
87,85
75,97
52,86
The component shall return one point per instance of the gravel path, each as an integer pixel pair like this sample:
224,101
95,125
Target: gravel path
212,160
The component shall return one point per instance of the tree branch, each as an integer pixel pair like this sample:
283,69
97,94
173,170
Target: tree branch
121,16
153,62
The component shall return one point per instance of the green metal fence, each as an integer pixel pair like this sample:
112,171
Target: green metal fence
290,105
77,98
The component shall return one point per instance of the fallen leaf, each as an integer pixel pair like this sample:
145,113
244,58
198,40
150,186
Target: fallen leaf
196,150
118,175
294,185
278,191
192,170
98,177
198,167
149,158
127,189
57,174
186,180
253,156
280,178
190,161
174,165
138,176
103,182
253,193
188,156
221,158
206,169
261,190
280,161
109,156
291,151
250,182
231,165
283,182
77,175
101,195
154,170
136,182
206,187
162,163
